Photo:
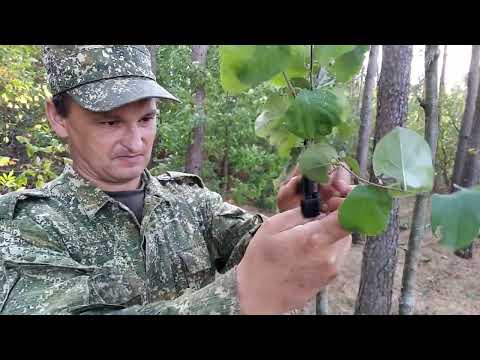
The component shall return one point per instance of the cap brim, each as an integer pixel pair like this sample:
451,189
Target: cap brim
109,94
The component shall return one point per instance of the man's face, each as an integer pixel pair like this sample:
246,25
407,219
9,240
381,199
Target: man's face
113,147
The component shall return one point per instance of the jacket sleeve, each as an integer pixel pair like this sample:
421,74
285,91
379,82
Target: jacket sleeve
44,280
231,229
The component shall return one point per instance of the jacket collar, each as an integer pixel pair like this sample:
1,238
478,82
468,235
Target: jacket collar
91,198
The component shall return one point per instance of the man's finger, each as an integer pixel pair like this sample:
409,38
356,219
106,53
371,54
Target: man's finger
341,173
336,252
287,220
342,187
325,229
333,204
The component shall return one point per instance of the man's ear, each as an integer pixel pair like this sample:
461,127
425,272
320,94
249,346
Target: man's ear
57,122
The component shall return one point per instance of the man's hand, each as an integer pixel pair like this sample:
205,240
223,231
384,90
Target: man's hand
289,260
332,194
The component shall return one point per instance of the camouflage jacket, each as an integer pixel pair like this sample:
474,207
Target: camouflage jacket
69,248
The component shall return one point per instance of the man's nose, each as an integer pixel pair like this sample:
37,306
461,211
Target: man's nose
133,140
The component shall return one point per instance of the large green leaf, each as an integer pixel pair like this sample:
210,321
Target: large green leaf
405,157
366,210
273,110
269,125
314,113
315,162
246,66
457,216
349,64
326,53
298,65
284,141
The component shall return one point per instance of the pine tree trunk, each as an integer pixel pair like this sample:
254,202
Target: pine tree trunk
437,187
380,253
471,171
472,91
419,219
194,161
365,120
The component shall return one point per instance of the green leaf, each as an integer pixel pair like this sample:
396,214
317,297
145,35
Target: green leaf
297,68
349,64
315,162
269,125
4,161
345,131
246,66
314,113
366,210
352,164
457,216
326,53
284,141
273,110
21,181
39,182
405,157
23,139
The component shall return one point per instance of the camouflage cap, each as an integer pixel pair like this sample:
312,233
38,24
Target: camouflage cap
102,77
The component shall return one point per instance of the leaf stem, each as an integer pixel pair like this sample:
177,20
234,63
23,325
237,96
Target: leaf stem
364,180
290,86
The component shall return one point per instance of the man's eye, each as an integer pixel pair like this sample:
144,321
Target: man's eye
147,119
110,123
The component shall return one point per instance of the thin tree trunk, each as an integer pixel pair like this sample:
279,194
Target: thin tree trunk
437,187
471,172
365,119
472,91
194,161
360,91
153,56
366,111
419,219
380,253
225,160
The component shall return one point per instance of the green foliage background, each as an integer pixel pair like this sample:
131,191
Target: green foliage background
30,154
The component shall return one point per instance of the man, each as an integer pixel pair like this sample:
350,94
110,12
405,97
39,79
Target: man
107,237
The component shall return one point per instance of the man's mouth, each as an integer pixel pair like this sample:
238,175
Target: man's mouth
131,159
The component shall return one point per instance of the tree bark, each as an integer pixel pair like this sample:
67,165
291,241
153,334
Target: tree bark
419,219
437,187
471,171
194,161
472,91
366,111
380,253
225,162
365,119
153,56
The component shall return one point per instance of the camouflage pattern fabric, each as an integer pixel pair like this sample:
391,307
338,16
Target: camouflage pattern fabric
69,248
102,77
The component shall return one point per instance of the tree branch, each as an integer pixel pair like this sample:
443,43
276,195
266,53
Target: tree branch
290,86
364,180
